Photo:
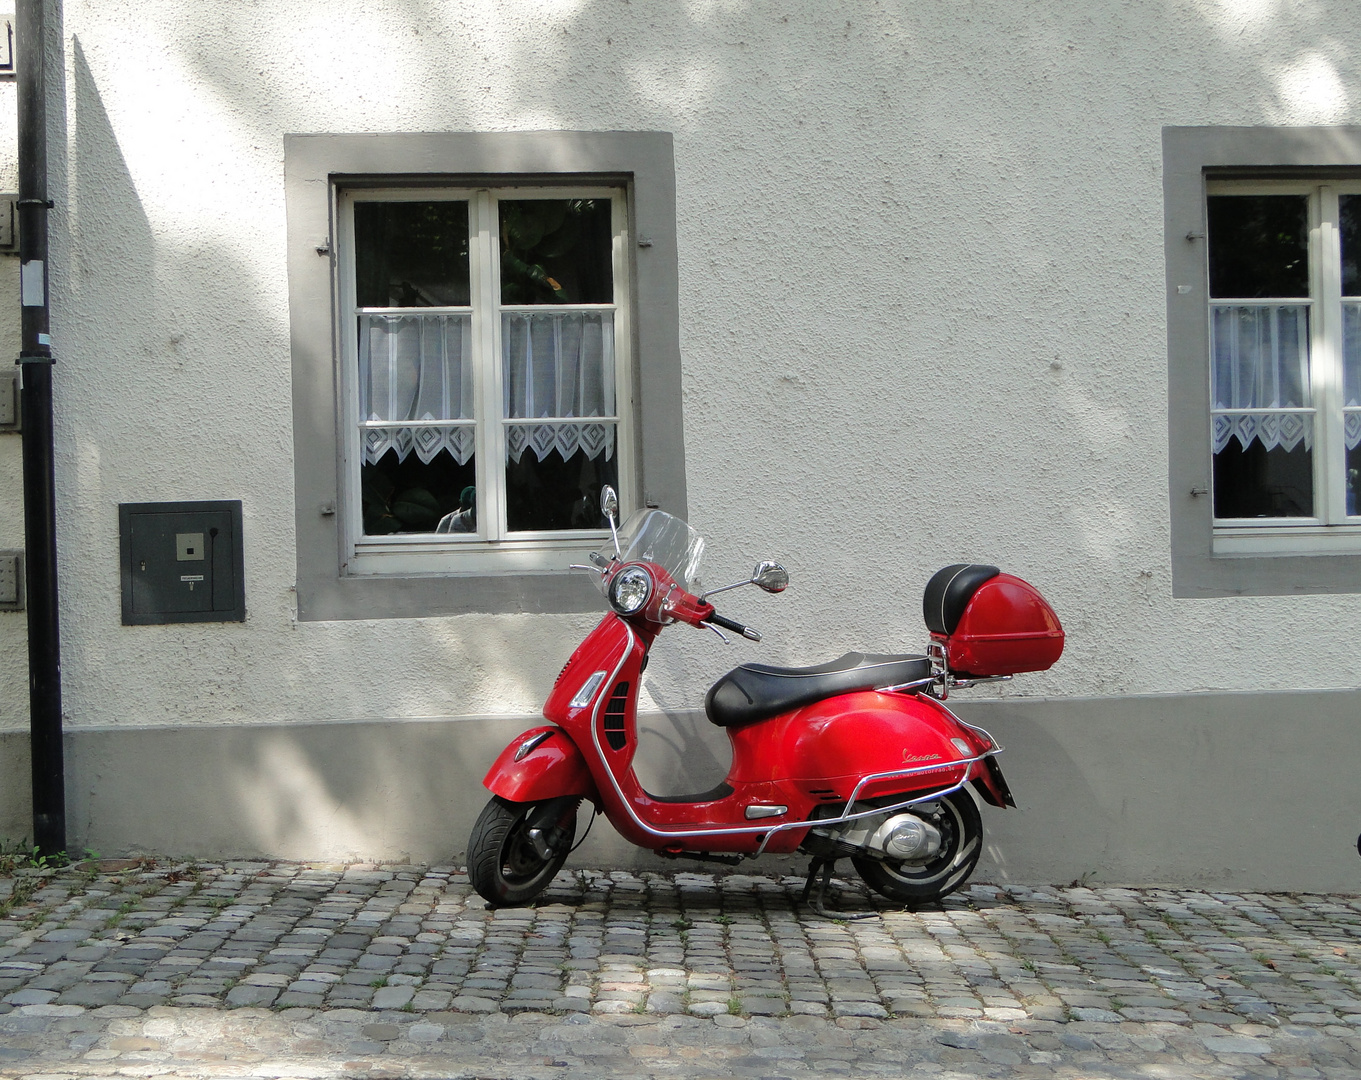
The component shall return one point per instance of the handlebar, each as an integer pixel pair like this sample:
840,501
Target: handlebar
676,603
736,627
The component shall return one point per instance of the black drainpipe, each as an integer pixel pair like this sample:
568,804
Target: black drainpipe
35,403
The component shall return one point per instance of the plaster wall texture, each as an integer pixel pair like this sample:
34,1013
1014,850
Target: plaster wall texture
922,321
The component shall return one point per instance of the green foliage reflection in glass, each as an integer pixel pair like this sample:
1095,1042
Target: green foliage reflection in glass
1259,246
556,251
411,254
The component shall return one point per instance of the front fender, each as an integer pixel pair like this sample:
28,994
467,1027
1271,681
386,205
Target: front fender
553,767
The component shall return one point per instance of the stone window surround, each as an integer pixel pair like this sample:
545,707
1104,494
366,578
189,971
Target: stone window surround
1190,155
314,165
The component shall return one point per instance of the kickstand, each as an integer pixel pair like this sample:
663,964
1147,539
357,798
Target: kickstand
819,898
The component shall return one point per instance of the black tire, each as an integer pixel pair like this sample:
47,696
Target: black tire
503,865
913,884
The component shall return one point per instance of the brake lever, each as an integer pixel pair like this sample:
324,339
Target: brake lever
722,636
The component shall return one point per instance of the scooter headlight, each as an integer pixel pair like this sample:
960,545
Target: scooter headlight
630,590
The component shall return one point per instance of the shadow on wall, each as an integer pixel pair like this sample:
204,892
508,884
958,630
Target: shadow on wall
118,270
679,752
1059,818
16,790
336,791
324,791
308,791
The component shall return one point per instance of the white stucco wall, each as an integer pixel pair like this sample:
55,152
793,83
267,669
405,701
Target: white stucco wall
922,321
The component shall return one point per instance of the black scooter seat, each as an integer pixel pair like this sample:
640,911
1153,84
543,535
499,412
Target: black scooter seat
755,692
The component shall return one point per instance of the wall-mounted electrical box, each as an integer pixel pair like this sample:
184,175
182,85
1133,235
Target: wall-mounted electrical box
182,562
9,223
9,401
11,581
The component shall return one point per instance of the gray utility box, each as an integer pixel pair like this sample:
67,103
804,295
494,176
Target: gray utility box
11,581
182,562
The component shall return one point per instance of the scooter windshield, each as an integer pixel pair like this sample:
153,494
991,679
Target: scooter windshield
657,537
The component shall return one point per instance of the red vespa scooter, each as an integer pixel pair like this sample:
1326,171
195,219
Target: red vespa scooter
855,758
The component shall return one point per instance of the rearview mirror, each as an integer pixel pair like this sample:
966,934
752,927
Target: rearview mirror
770,576
609,506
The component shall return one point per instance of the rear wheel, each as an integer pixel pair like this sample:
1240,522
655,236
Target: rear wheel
961,829
516,848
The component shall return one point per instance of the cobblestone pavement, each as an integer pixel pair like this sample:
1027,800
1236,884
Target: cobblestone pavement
250,969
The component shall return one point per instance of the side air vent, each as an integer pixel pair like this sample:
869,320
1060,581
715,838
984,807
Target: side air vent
565,669
614,716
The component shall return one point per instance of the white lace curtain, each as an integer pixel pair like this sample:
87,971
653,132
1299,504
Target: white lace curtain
415,377
558,367
1260,360
1351,371
416,384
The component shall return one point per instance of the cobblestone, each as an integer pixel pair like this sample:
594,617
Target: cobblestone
250,969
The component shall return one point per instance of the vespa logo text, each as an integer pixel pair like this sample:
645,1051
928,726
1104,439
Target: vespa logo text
909,758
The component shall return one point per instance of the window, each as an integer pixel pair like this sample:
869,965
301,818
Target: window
486,354
484,332
1263,244
1285,359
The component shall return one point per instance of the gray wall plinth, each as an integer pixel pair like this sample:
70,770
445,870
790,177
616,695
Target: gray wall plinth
1232,791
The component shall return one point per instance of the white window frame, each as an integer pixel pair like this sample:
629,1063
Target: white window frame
1330,529
493,547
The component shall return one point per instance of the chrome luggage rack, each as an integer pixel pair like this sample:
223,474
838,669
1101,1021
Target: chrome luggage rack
941,681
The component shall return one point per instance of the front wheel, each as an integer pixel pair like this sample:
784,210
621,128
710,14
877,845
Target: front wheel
516,848
961,829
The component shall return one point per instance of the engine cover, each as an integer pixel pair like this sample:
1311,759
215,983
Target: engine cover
906,838
902,837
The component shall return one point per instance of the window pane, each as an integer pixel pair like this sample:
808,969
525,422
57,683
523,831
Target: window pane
1259,245
403,494
1254,481
415,367
1259,356
560,492
556,251
557,363
1349,226
411,254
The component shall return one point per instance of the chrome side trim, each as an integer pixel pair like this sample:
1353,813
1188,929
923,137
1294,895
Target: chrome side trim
531,744
876,810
